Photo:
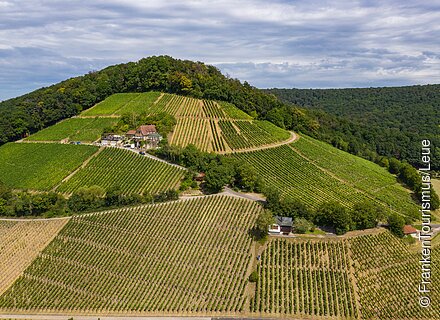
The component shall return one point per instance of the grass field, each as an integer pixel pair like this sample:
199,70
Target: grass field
130,171
187,256
314,172
20,244
74,129
373,276
40,166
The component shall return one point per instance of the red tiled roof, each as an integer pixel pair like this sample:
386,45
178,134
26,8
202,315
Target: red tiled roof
408,229
131,132
146,129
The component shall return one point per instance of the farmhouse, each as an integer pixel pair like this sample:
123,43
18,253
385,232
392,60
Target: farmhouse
111,139
144,131
282,225
147,133
410,230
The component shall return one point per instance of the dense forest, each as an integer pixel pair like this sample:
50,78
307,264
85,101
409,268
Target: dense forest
387,121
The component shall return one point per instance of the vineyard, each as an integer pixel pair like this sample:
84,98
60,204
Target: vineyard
305,278
186,256
360,173
314,172
130,171
388,274
247,134
40,166
74,129
110,105
20,243
284,169
140,104
371,276
209,125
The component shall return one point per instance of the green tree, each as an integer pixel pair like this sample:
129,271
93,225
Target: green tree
86,199
217,176
334,215
366,215
264,220
395,224
302,225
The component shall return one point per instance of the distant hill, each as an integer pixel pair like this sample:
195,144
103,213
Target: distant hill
390,121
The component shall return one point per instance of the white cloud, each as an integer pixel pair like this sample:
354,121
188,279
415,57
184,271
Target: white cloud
291,43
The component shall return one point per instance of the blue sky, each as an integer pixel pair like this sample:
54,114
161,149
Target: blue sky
302,44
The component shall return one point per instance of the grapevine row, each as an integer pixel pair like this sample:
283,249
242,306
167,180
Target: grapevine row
132,172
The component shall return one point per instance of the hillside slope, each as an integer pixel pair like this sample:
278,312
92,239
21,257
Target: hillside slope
46,106
187,256
314,172
390,121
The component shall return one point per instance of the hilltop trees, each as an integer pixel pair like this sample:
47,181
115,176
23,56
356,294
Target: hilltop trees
43,107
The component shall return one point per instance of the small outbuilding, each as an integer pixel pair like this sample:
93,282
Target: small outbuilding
282,225
409,230
111,139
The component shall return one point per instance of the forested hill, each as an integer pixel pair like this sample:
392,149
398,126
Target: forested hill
391,121
43,107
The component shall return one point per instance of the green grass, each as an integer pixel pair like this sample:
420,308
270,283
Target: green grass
188,256
130,171
360,173
74,129
110,105
40,166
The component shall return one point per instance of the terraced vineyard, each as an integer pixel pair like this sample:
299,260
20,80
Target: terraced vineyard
305,278
360,173
388,274
20,244
74,129
40,166
187,256
284,169
130,171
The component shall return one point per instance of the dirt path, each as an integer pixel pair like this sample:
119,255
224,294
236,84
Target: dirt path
293,138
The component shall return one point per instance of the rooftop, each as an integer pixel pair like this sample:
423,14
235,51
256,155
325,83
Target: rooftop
283,221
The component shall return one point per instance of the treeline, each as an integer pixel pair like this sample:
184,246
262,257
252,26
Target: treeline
41,108
217,170
50,204
363,215
389,122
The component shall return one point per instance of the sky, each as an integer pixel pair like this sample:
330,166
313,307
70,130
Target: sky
288,44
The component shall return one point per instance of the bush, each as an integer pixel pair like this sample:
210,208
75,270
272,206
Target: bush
253,277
